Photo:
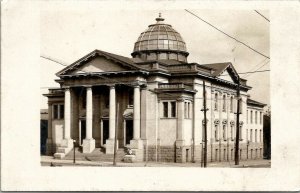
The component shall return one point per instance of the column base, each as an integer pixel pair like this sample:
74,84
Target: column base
179,151
49,147
88,145
110,146
136,144
137,147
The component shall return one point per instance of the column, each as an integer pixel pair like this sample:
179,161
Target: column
49,144
88,144
112,112
67,116
136,112
136,143
67,141
89,112
179,135
110,142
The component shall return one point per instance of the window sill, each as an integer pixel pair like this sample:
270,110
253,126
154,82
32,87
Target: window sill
168,118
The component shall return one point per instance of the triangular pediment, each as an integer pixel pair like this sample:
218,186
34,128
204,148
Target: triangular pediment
101,64
229,74
98,62
226,75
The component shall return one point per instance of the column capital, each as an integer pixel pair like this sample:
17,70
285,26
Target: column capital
67,88
87,86
111,86
180,99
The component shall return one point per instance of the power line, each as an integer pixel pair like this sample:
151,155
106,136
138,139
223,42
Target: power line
257,70
262,15
228,35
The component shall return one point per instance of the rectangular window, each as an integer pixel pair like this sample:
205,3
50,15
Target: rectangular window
224,103
251,137
260,135
231,104
255,135
58,111
61,111
255,117
173,109
165,109
251,117
260,118
55,112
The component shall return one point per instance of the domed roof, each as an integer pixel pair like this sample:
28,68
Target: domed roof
160,37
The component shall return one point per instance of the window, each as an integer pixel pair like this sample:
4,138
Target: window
255,135
55,111
216,133
246,134
169,109
260,135
224,103
251,117
61,111
187,110
251,137
173,109
231,132
216,101
247,117
231,104
58,111
260,118
255,117
165,109
224,133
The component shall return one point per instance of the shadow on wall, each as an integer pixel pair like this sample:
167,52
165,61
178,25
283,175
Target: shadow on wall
267,136
43,136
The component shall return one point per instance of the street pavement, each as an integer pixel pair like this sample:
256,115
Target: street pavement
50,161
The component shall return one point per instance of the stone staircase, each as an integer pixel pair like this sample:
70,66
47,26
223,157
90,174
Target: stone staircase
97,155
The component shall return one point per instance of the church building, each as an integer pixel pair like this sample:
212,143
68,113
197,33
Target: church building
151,102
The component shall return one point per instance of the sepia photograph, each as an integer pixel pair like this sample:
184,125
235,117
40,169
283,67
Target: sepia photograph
168,89
150,95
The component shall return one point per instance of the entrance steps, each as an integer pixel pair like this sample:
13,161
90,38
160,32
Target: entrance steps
97,155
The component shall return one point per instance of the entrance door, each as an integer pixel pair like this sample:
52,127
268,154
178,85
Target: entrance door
105,131
129,131
82,130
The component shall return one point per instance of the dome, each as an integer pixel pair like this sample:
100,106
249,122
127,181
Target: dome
160,41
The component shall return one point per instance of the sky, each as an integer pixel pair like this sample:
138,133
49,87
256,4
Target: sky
67,35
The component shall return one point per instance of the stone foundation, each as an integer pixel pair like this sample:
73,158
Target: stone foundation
215,152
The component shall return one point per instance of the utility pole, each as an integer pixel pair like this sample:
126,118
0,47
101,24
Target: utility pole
116,135
237,137
205,126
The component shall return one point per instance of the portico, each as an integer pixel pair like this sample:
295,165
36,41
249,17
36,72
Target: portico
93,120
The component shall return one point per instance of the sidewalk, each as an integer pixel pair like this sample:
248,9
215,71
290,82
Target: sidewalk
48,160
